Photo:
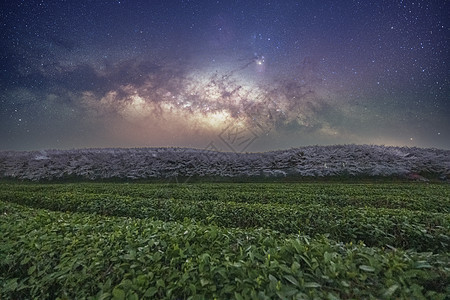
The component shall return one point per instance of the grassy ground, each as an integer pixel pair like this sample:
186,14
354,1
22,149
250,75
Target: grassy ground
324,240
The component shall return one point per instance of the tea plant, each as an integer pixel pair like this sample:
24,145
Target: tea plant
241,241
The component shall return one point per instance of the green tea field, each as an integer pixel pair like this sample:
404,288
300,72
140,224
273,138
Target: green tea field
224,241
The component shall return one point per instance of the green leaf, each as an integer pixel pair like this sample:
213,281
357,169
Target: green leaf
345,283
291,279
105,296
295,266
31,269
132,296
288,291
141,279
160,283
367,268
228,288
238,296
118,294
11,285
150,292
204,281
312,285
390,291
422,265
331,296
25,260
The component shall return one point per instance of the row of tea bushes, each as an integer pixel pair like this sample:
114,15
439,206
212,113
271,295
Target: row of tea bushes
65,255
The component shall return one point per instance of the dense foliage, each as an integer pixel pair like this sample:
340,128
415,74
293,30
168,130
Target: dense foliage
340,161
205,241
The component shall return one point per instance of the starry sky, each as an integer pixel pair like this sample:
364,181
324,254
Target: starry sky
233,75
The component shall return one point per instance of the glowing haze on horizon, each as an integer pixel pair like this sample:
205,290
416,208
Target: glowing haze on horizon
226,75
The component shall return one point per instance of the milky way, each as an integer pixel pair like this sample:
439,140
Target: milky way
231,75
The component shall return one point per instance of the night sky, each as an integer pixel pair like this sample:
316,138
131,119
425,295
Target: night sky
228,75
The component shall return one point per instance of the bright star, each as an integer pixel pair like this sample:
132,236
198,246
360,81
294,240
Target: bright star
260,60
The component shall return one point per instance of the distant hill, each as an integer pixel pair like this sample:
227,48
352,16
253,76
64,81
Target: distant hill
163,163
